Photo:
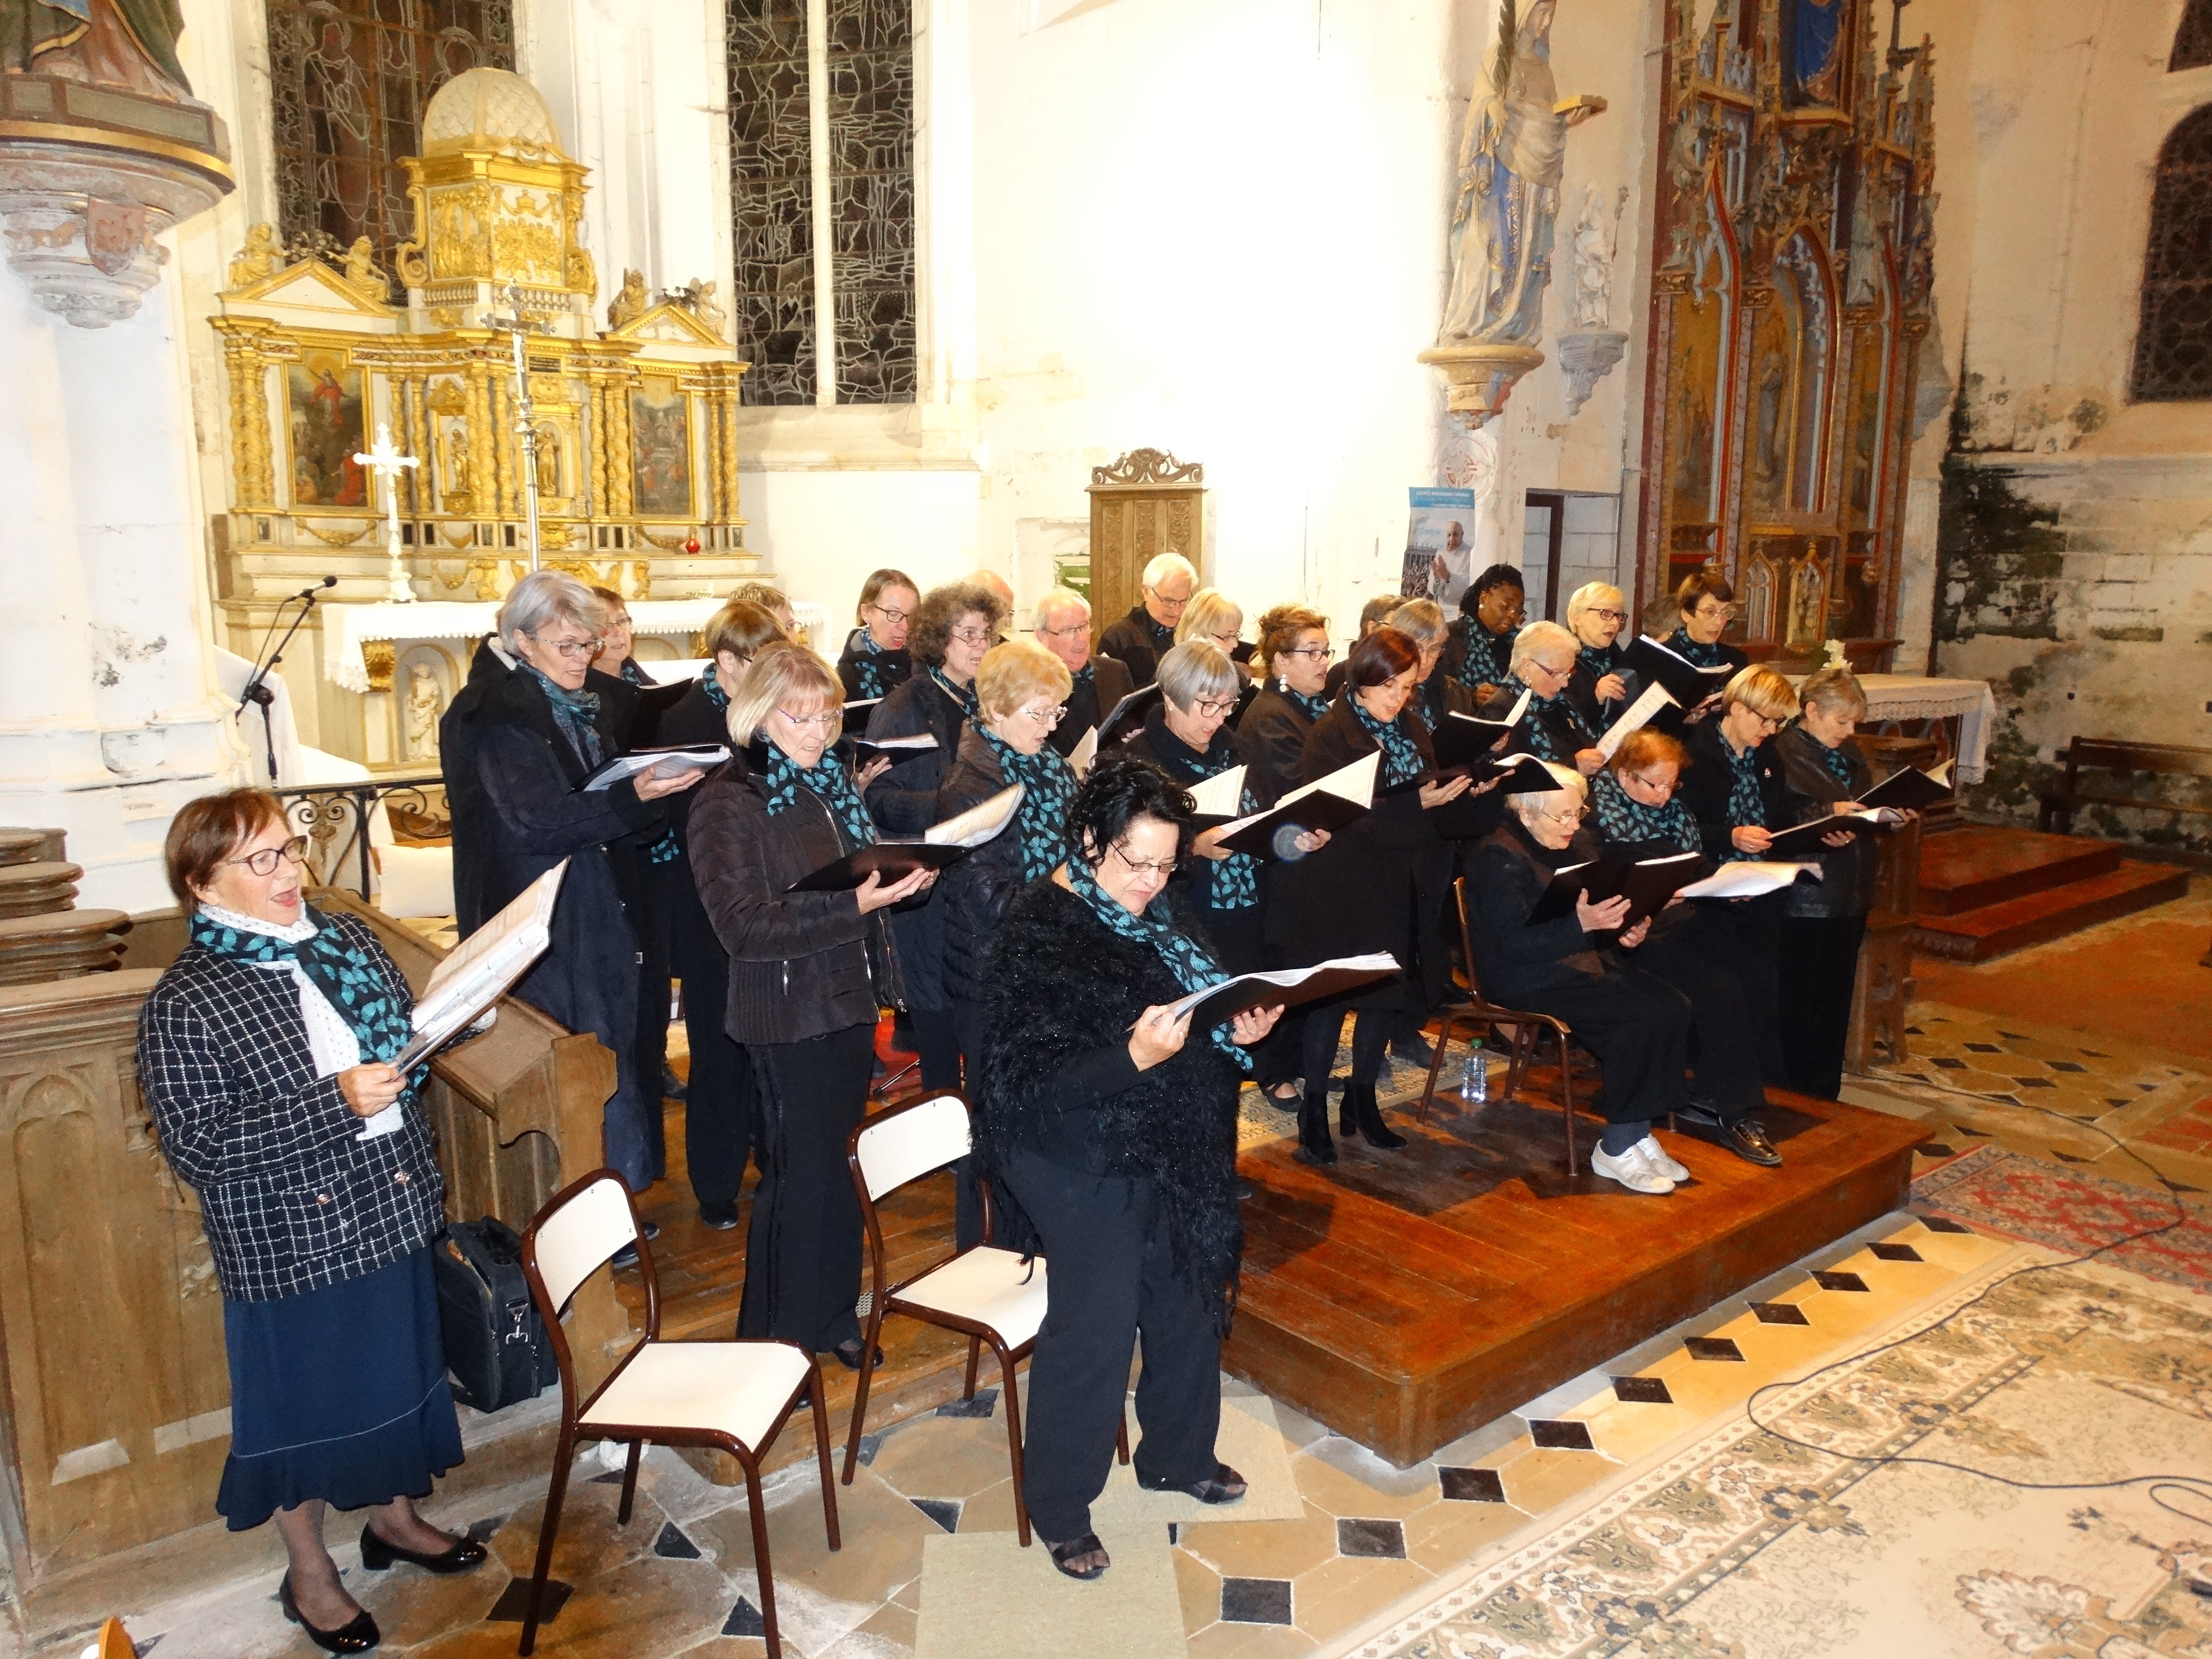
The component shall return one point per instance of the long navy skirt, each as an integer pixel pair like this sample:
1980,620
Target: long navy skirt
339,1394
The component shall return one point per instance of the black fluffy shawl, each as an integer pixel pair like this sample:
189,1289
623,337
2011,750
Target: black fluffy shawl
1063,988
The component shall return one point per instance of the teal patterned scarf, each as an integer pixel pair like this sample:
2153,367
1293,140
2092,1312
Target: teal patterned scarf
1488,656
964,696
1048,791
1624,820
878,672
1705,656
1537,729
1312,707
344,972
1230,883
1838,762
829,782
712,686
1402,756
1747,804
1189,961
577,714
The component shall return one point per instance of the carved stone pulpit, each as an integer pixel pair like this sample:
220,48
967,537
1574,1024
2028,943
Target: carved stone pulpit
1147,503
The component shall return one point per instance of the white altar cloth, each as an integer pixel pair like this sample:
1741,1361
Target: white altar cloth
1916,697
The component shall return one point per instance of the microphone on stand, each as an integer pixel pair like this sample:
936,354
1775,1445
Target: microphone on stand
256,684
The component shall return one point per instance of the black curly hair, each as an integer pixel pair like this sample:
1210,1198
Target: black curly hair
1120,789
1498,575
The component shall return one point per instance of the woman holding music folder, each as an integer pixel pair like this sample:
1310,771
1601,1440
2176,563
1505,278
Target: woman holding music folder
807,972
1636,814
1552,729
1373,887
1705,605
1823,923
264,1054
1580,966
1482,640
1603,684
1114,1124
1021,692
952,626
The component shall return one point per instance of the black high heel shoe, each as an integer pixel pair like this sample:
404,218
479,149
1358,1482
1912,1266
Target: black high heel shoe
357,1635
1315,1146
464,1555
848,1354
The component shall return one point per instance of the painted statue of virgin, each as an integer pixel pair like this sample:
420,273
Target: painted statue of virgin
130,44
1510,159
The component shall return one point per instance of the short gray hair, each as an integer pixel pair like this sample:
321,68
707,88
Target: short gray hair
1538,635
1060,598
1165,565
1529,804
1834,689
1422,621
544,597
1196,670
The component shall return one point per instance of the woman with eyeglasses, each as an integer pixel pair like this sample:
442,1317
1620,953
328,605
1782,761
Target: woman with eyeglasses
718,1093
1582,968
876,661
1436,695
1637,812
1543,662
953,626
1371,888
1603,684
1021,692
1482,638
1705,605
1114,1125
1213,617
264,1053
534,721
808,972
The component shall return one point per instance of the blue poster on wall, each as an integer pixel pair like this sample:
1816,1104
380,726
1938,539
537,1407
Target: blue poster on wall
1439,547
1811,52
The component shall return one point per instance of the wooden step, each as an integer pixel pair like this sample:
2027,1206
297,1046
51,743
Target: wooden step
1981,865
22,846
35,889
1993,930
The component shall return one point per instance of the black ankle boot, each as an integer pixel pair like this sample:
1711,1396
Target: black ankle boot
1369,1114
1314,1144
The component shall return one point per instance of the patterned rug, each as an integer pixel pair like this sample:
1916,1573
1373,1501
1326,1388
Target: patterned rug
2071,1211
1845,1527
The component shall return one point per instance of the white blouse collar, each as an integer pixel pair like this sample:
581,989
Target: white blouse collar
291,933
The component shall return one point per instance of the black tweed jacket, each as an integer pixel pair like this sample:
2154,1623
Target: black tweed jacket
291,1200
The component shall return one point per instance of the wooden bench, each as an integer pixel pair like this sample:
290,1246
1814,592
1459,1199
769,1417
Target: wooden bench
2113,754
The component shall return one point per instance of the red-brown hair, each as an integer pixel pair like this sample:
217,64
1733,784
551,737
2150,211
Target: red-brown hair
1381,657
209,829
1644,747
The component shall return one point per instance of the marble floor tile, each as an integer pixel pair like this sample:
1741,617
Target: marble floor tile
591,1541
1198,1586
1225,1641
1337,1594
1376,1490
673,1604
1541,1477
1445,1533
944,1456
882,1536
1263,1549
1626,1429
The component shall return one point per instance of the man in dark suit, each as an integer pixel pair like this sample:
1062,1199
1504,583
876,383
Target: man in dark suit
1140,638
1063,627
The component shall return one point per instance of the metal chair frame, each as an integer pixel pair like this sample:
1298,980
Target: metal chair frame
638,1435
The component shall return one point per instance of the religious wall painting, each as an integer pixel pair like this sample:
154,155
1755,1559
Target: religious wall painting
1703,319
660,434
1813,52
1863,445
1801,272
1808,600
323,393
1773,396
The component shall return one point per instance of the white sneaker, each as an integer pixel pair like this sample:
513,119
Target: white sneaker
1653,1153
1633,1170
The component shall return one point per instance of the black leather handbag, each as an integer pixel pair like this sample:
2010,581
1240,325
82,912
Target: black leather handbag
496,1351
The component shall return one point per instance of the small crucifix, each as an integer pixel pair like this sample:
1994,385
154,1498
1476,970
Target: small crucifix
516,324
383,460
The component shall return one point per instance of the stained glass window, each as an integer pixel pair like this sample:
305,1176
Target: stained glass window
348,80
872,197
772,198
2173,343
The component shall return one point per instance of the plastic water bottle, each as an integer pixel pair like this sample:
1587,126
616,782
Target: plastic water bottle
1474,1075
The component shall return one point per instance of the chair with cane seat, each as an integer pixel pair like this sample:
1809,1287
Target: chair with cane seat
988,1294
733,1396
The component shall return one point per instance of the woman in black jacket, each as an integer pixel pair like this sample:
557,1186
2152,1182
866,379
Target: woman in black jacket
718,1097
1603,684
1824,923
807,972
1543,665
953,626
876,661
1482,638
1114,1126
1020,693
265,1055
1706,604
1638,1026
515,747
1370,888
1436,695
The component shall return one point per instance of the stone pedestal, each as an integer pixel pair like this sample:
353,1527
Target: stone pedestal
1478,379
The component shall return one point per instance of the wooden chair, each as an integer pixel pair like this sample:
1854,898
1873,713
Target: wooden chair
988,1294
2056,803
1528,1029
732,1396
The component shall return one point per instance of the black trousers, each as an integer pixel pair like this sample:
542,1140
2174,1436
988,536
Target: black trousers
649,919
1240,940
937,1041
1820,968
802,1251
1694,958
1752,930
1112,1281
1637,1025
717,1101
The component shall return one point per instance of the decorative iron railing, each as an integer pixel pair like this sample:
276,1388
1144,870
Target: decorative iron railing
335,819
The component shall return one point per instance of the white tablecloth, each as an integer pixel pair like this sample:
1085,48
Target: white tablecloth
1916,697
345,627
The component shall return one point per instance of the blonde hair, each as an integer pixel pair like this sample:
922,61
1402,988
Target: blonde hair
1210,611
1589,596
1536,635
1764,691
1423,620
1015,670
1834,689
780,673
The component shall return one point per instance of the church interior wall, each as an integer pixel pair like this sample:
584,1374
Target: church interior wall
2074,565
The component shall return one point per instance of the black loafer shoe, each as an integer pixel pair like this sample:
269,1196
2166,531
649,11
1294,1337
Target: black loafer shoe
720,1217
1747,1138
1415,1050
357,1635
1223,1486
848,1354
464,1555
627,1256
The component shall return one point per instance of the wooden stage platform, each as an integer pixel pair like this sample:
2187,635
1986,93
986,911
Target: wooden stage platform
1403,1298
